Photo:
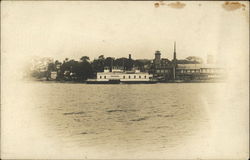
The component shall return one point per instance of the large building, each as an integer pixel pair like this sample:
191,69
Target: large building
199,72
118,74
185,69
121,76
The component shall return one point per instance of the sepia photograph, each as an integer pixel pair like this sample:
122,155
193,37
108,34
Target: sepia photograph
125,80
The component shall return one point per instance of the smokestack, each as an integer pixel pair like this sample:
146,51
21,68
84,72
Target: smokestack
174,60
129,56
174,50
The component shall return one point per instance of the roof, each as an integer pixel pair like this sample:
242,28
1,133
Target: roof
189,66
197,66
184,61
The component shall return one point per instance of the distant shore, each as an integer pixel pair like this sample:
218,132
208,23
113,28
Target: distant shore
170,81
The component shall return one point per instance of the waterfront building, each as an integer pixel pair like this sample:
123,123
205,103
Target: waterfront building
53,75
199,72
161,67
157,60
191,68
123,76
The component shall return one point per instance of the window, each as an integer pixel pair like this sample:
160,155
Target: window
145,76
100,77
134,76
139,76
123,77
129,77
104,77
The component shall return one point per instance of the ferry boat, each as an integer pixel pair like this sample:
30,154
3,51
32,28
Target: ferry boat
118,76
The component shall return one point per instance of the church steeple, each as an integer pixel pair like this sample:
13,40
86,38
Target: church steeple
174,50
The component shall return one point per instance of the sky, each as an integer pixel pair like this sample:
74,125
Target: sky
72,29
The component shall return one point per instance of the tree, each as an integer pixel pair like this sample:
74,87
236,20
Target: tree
120,62
85,70
66,60
84,58
109,62
101,57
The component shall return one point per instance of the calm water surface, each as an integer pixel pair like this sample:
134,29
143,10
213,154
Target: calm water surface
123,117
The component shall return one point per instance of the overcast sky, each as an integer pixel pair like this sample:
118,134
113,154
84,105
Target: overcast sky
61,29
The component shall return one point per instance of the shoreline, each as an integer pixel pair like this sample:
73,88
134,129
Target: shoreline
85,82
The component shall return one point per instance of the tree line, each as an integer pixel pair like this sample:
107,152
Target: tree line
82,69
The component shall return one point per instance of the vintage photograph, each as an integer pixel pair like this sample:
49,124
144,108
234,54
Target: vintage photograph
125,80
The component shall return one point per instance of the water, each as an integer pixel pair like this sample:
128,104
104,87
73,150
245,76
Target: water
149,117
119,120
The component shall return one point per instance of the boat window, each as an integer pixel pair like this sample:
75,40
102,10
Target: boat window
123,77
139,76
129,77
145,76
134,76
104,77
100,77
